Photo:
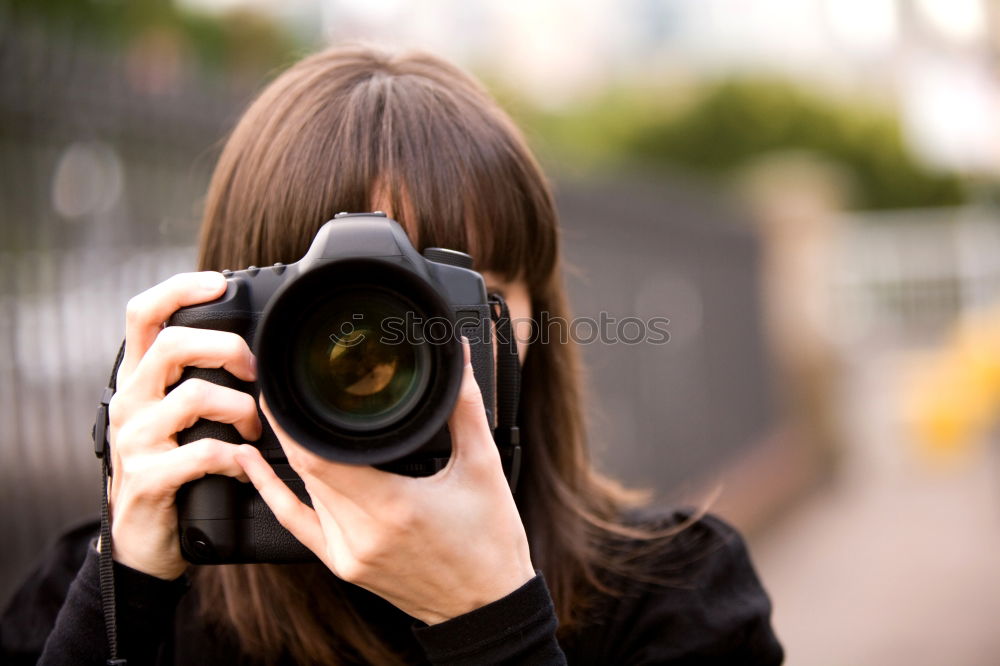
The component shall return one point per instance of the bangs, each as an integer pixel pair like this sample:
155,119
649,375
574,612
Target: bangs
458,176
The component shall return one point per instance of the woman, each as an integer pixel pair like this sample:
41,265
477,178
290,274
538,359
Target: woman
446,569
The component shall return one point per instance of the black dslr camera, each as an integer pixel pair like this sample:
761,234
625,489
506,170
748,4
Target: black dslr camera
360,360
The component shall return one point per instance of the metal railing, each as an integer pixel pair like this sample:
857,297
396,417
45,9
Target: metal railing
903,278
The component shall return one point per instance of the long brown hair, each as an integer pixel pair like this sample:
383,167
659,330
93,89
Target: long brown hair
336,132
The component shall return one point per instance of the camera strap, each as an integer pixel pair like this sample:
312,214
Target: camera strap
105,563
508,394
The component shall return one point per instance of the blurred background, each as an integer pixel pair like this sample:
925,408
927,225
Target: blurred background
807,189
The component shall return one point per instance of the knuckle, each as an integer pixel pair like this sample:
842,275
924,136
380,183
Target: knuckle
352,570
284,509
402,517
130,468
125,437
209,453
366,552
136,309
170,338
118,409
193,393
136,434
235,345
247,406
470,397
309,465
248,402
485,463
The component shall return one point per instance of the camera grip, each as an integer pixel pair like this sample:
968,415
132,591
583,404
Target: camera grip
208,507
204,428
222,520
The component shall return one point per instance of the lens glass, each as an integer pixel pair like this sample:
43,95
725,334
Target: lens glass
354,364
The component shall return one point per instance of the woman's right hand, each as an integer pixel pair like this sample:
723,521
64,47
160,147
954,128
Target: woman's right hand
147,463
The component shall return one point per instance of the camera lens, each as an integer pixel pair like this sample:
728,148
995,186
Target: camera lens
351,361
356,364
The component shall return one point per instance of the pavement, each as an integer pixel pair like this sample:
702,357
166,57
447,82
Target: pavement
898,560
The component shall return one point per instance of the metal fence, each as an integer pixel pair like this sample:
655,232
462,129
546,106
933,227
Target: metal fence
902,278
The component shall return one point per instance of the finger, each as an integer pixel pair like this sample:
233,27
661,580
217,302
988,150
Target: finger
146,312
177,347
196,398
353,481
173,468
471,438
154,426
293,515
351,513
338,550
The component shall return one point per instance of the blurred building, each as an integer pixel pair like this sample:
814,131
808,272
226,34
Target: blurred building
933,60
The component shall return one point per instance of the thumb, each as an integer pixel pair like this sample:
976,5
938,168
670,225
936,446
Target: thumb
471,437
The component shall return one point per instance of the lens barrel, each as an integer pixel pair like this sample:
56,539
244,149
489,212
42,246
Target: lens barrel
348,366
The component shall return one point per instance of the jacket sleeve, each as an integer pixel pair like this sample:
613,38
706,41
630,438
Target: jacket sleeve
57,618
517,629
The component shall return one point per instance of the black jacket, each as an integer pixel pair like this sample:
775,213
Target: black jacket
715,613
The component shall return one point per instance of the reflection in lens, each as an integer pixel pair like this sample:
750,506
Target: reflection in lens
373,373
348,372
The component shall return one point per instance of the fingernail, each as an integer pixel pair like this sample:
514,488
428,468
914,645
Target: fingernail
466,352
212,281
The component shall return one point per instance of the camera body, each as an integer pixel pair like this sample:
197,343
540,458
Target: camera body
360,361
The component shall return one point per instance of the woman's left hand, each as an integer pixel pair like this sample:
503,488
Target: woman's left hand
435,547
